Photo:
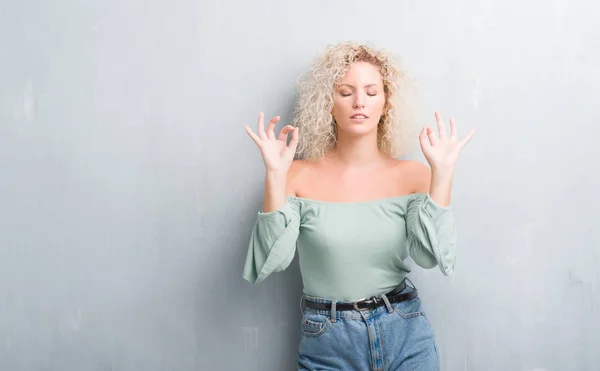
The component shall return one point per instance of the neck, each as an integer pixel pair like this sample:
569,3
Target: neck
357,151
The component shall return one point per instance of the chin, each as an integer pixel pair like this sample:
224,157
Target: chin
357,128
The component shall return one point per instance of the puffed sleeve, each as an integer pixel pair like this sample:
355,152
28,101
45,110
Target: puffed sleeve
431,233
273,241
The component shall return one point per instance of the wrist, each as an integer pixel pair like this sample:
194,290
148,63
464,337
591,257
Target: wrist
441,185
442,172
275,176
274,194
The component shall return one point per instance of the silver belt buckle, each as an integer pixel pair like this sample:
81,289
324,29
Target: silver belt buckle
373,299
354,305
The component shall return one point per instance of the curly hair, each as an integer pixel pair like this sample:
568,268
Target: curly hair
313,109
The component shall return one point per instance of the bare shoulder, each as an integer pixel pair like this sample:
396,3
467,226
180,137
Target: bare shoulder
414,168
297,172
415,173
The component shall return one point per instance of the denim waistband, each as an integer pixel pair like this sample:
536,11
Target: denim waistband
351,313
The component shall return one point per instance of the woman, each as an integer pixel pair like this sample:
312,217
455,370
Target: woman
355,213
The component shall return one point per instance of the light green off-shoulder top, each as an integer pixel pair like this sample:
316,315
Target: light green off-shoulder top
352,250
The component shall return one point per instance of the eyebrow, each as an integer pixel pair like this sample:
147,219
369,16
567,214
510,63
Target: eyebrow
352,86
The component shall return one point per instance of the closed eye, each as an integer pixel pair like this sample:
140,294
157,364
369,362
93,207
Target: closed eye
347,95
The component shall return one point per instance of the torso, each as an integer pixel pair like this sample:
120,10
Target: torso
328,182
353,220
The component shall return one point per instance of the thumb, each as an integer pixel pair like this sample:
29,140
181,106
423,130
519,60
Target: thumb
467,138
294,141
423,139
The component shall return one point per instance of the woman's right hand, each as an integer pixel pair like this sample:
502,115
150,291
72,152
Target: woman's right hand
275,151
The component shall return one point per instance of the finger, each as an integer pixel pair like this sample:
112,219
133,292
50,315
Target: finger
467,138
261,126
440,124
433,139
283,134
294,142
423,139
271,127
254,137
452,129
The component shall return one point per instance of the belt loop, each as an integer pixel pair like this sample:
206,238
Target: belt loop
333,308
301,304
387,303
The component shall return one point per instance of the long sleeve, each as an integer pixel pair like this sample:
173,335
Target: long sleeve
431,234
273,242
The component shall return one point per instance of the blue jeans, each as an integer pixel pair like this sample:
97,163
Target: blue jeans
392,337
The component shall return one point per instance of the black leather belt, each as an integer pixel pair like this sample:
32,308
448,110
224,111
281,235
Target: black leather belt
373,302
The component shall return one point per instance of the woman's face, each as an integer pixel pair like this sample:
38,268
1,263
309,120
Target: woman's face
359,99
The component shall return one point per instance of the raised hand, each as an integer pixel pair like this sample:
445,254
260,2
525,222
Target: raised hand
441,150
276,153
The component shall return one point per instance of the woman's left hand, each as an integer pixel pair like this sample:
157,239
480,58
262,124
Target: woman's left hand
441,150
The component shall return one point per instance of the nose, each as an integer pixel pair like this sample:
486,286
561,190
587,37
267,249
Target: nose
358,102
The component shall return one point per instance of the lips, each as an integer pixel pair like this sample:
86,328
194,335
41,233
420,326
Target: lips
359,116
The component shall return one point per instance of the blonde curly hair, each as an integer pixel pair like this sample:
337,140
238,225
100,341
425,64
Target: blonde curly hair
313,110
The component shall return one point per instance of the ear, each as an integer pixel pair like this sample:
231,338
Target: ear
386,108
